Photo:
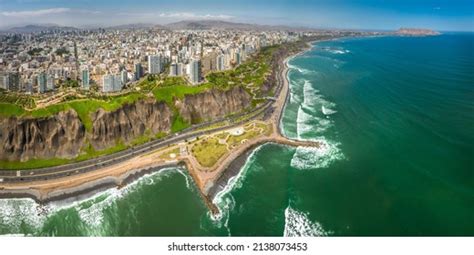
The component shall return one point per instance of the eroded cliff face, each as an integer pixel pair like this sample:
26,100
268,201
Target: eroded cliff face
213,104
64,136
61,135
129,122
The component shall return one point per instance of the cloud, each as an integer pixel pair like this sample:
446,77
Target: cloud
35,13
45,12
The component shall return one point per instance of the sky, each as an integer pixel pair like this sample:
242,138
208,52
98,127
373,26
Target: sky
443,15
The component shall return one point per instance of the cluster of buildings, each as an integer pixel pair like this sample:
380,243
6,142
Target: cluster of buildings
114,59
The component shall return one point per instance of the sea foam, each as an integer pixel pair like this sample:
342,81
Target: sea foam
15,213
316,157
297,224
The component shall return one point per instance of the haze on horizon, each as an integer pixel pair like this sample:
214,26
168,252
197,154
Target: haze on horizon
441,15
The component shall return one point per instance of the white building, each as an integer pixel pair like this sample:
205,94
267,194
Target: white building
194,71
174,69
4,81
49,82
111,83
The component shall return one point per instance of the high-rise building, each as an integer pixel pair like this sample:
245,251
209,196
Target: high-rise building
209,62
124,76
237,58
111,83
4,81
220,62
49,82
14,81
138,71
154,64
85,79
174,69
28,87
179,71
41,80
194,71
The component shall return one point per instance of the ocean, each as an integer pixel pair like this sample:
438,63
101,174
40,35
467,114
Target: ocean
396,118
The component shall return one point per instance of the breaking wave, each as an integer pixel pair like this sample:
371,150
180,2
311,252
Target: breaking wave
19,213
316,157
297,224
224,200
301,70
25,215
307,125
335,50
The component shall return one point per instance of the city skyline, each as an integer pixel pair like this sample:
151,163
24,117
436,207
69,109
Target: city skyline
368,14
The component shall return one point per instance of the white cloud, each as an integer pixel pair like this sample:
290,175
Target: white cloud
45,12
35,13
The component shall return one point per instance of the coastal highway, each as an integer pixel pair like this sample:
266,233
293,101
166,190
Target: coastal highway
43,174
266,109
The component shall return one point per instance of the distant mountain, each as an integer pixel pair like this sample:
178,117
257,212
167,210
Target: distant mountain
39,28
136,26
219,24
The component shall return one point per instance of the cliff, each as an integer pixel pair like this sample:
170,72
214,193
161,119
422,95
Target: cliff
416,32
61,135
129,122
212,104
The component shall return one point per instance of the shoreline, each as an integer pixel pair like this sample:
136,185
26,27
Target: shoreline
86,190
90,188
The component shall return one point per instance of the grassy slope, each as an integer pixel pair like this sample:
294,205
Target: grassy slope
250,74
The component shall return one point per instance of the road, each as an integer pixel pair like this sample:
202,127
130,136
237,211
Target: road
43,174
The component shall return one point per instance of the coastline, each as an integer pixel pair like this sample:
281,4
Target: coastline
85,190
232,167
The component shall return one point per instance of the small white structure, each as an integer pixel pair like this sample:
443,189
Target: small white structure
236,131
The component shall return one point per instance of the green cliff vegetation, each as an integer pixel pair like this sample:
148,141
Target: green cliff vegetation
251,75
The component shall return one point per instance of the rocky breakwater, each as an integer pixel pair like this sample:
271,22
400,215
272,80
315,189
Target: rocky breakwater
129,122
60,135
213,104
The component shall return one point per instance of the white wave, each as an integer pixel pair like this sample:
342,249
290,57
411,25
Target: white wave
93,215
316,157
15,213
294,97
301,70
327,111
308,124
224,201
336,50
310,94
187,178
297,224
20,212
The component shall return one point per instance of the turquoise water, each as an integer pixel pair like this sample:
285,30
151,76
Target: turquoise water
396,116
